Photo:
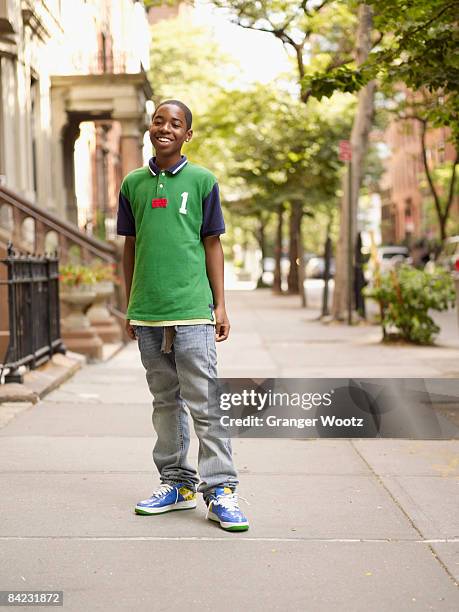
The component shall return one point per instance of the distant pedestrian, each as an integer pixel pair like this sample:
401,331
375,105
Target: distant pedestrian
359,278
171,216
420,253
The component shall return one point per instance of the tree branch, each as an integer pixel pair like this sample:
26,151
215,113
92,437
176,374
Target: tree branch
427,169
389,54
377,40
278,32
429,22
317,9
335,63
251,26
452,183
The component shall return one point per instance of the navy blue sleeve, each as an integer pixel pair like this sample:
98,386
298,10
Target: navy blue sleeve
125,225
212,215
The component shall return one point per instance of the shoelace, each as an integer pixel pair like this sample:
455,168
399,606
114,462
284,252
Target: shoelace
162,490
229,501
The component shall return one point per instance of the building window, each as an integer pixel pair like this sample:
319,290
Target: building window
441,151
408,207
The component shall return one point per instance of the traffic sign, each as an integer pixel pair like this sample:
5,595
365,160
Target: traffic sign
345,150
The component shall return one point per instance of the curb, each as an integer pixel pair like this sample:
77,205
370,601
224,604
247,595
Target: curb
38,383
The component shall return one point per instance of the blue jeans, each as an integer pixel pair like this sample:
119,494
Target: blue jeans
181,378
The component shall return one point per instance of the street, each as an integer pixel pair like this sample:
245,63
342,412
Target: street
336,524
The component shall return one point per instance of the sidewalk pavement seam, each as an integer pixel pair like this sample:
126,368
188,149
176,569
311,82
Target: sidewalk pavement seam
246,472
230,539
405,513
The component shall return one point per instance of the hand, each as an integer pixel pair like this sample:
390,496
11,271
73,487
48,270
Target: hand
130,330
222,325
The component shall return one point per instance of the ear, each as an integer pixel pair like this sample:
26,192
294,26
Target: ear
189,135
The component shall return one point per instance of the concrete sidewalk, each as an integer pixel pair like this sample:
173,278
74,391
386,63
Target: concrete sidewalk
347,524
272,336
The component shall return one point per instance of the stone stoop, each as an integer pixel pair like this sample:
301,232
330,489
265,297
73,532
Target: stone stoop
37,383
49,376
15,397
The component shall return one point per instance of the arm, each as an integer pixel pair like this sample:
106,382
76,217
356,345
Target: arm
215,273
128,270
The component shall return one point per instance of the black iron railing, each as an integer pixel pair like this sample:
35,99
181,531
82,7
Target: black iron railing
34,318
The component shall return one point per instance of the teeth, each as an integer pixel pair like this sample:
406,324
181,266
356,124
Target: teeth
164,139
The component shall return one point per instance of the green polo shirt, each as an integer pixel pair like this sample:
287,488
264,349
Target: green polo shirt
170,212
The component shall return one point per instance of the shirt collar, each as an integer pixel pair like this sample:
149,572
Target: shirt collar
175,169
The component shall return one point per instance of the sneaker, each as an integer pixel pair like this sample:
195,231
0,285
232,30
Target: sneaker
166,498
222,507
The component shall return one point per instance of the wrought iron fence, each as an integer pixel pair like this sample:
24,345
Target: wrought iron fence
34,318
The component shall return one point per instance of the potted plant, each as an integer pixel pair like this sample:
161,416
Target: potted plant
98,314
105,280
77,291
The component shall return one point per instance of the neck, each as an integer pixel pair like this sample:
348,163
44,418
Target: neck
167,161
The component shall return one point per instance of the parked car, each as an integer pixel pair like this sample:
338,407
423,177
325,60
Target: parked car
269,265
449,254
308,256
315,267
388,258
391,256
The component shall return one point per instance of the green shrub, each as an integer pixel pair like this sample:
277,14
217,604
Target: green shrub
405,296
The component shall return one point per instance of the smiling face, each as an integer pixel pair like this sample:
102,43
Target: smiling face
168,130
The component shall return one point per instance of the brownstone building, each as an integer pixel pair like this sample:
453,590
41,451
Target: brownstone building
65,66
405,195
159,13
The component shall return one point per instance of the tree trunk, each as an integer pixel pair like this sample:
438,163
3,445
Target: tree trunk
359,142
277,282
443,228
294,223
261,238
327,263
301,273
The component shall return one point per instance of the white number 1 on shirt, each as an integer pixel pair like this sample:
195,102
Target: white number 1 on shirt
183,209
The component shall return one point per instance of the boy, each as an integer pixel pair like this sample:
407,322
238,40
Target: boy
171,217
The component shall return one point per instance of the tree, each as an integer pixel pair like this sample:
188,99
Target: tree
418,43
270,165
324,27
326,30
278,155
418,50
186,63
359,144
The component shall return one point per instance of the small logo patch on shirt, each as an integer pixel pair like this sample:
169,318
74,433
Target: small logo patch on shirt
159,203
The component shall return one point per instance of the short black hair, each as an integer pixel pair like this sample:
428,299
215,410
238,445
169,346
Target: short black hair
184,107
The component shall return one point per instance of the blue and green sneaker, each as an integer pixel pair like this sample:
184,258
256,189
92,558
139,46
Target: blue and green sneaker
222,507
166,498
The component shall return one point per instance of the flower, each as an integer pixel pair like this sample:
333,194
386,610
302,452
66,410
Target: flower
76,275
105,272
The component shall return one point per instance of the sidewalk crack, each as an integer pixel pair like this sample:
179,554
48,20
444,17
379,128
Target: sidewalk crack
405,513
